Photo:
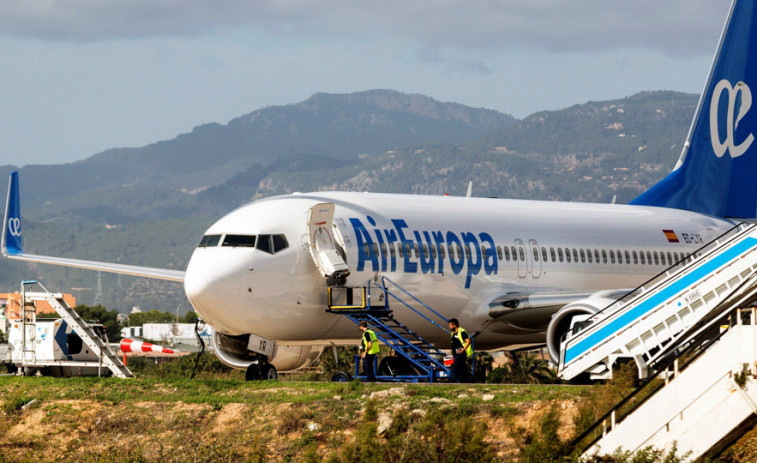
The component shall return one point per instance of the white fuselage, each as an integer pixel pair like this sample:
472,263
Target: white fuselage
513,247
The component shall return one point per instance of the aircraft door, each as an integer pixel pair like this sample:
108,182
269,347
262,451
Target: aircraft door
522,258
536,265
322,245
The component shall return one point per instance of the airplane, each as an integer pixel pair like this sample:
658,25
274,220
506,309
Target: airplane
514,272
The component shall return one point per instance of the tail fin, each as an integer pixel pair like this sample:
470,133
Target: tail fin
717,171
11,240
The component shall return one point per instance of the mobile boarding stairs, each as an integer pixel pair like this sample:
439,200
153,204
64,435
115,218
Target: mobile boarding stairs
423,362
32,335
689,327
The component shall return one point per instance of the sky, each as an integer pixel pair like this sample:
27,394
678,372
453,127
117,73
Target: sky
80,76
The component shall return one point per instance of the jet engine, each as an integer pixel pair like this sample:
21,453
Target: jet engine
562,320
233,351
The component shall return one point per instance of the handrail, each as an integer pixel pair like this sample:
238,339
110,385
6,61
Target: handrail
388,293
634,293
670,361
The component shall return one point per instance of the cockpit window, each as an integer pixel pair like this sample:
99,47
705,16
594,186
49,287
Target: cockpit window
279,243
209,240
247,241
272,243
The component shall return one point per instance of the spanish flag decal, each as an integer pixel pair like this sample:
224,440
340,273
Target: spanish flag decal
671,236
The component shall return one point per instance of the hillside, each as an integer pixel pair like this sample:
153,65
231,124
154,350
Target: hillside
150,205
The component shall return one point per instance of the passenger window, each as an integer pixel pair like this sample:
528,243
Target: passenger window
604,256
583,255
484,252
458,251
575,255
279,243
596,256
433,251
641,257
559,253
536,254
425,252
628,258
670,259
635,258
588,256
649,258
499,252
507,252
612,256
656,258
264,244
544,254
209,240
366,249
392,252
400,250
375,250
417,251
467,252
521,254
512,251
620,257
552,254
409,250
383,249
567,255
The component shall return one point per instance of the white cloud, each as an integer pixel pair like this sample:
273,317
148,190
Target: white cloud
687,27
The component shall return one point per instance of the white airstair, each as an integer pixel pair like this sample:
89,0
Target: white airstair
700,408
106,357
666,313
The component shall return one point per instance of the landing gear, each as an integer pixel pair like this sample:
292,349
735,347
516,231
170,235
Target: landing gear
261,370
341,377
395,366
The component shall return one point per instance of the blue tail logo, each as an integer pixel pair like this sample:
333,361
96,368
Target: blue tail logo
12,242
717,171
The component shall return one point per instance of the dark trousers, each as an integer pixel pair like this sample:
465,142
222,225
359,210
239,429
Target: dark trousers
368,363
460,371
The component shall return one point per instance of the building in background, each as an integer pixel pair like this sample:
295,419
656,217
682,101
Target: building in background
10,303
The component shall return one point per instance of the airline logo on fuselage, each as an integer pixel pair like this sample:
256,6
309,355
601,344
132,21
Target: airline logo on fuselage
479,251
720,146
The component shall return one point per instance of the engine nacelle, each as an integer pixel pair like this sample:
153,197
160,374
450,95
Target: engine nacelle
563,318
232,351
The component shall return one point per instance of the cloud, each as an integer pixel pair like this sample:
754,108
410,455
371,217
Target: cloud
674,27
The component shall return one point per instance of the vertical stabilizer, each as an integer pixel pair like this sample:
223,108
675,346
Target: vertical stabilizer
717,171
11,242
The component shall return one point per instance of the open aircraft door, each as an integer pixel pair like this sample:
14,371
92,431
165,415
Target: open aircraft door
322,246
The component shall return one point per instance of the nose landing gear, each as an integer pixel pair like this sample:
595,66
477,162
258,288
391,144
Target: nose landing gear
261,370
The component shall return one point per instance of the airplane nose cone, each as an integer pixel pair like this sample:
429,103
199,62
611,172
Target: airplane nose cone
212,288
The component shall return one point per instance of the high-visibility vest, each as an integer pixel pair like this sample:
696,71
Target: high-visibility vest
374,343
459,334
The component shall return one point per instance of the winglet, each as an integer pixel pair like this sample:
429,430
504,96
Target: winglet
11,240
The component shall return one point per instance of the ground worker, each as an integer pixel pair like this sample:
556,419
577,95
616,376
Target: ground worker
370,349
462,350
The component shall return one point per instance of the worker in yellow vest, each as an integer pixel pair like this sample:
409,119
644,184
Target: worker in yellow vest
462,351
370,349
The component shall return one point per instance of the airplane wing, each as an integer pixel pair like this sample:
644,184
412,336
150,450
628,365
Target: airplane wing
12,246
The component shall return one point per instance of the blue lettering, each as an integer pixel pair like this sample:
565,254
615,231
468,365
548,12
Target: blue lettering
474,265
427,259
490,264
410,267
454,241
391,238
439,239
364,246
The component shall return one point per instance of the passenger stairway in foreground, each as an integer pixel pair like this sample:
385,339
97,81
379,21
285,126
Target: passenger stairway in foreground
425,358
106,357
651,322
701,407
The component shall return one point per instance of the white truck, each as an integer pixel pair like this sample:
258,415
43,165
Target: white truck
52,347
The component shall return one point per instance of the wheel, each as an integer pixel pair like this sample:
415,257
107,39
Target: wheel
395,366
252,373
341,377
269,372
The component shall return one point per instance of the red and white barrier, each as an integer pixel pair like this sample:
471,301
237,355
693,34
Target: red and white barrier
139,347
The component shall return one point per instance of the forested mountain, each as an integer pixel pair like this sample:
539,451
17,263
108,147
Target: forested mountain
150,205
